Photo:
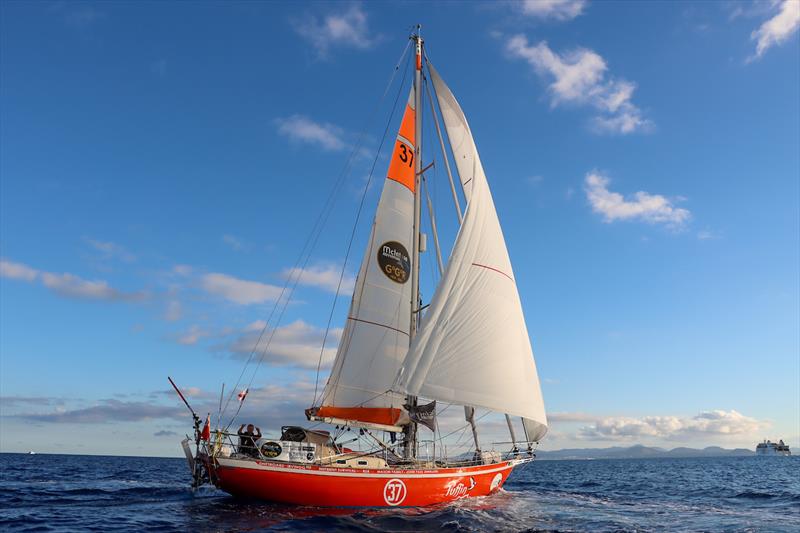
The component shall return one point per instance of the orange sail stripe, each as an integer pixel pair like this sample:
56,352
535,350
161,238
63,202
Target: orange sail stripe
401,166
407,127
387,416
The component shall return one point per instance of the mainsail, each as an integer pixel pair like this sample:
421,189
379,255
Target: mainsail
473,348
376,336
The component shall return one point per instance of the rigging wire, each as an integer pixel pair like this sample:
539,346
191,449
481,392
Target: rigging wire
355,227
310,240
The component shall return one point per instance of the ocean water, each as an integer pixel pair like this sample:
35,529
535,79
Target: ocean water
70,492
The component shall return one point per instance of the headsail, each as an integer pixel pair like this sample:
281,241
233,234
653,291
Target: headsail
376,336
473,348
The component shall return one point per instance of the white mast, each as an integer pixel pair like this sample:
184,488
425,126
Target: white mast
410,449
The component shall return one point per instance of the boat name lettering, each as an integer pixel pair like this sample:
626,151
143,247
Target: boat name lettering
459,489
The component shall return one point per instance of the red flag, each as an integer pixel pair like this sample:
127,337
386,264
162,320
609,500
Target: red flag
242,395
206,434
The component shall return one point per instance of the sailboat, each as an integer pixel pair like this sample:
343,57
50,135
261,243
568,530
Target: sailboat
398,356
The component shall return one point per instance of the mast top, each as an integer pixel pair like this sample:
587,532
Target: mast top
417,38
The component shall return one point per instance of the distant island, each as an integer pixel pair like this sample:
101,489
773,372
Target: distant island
638,451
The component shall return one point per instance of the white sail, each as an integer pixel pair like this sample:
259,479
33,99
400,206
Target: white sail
473,348
376,336
462,144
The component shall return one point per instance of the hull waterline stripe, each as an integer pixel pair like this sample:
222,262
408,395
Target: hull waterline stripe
317,472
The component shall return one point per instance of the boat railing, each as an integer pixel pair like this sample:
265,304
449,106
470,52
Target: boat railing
430,453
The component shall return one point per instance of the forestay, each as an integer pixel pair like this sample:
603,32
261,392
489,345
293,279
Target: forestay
376,336
473,347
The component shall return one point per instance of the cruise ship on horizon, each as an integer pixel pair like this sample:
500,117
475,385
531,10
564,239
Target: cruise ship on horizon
773,448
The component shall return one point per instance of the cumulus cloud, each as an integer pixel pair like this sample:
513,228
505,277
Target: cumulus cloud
323,276
552,9
239,291
651,208
296,344
72,286
110,410
268,406
66,284
579,77
777,29
192,335
299,128
343,29
11,270
716,423
8,402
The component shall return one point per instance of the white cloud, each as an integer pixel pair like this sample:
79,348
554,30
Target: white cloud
344,29
296,344
534,180
651,208
552,9
580,77
192,335
182,270
9,269
239,291
111,250
707,234
716,423
777,29
299,128
323,276
174,311
110,410
235,243
72,286
66,284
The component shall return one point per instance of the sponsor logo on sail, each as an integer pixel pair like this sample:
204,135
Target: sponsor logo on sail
394,492
394,262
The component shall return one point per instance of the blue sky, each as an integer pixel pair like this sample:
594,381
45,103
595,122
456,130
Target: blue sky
162,164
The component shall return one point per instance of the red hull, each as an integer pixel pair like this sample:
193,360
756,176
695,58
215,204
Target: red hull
347,487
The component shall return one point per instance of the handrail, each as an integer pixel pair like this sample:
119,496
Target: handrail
222,440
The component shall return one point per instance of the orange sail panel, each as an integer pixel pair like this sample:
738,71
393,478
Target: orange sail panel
401,167
387,416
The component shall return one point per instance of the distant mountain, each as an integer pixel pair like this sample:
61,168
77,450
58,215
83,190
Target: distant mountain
640,452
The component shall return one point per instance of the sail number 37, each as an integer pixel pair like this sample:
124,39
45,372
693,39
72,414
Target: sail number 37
405,155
